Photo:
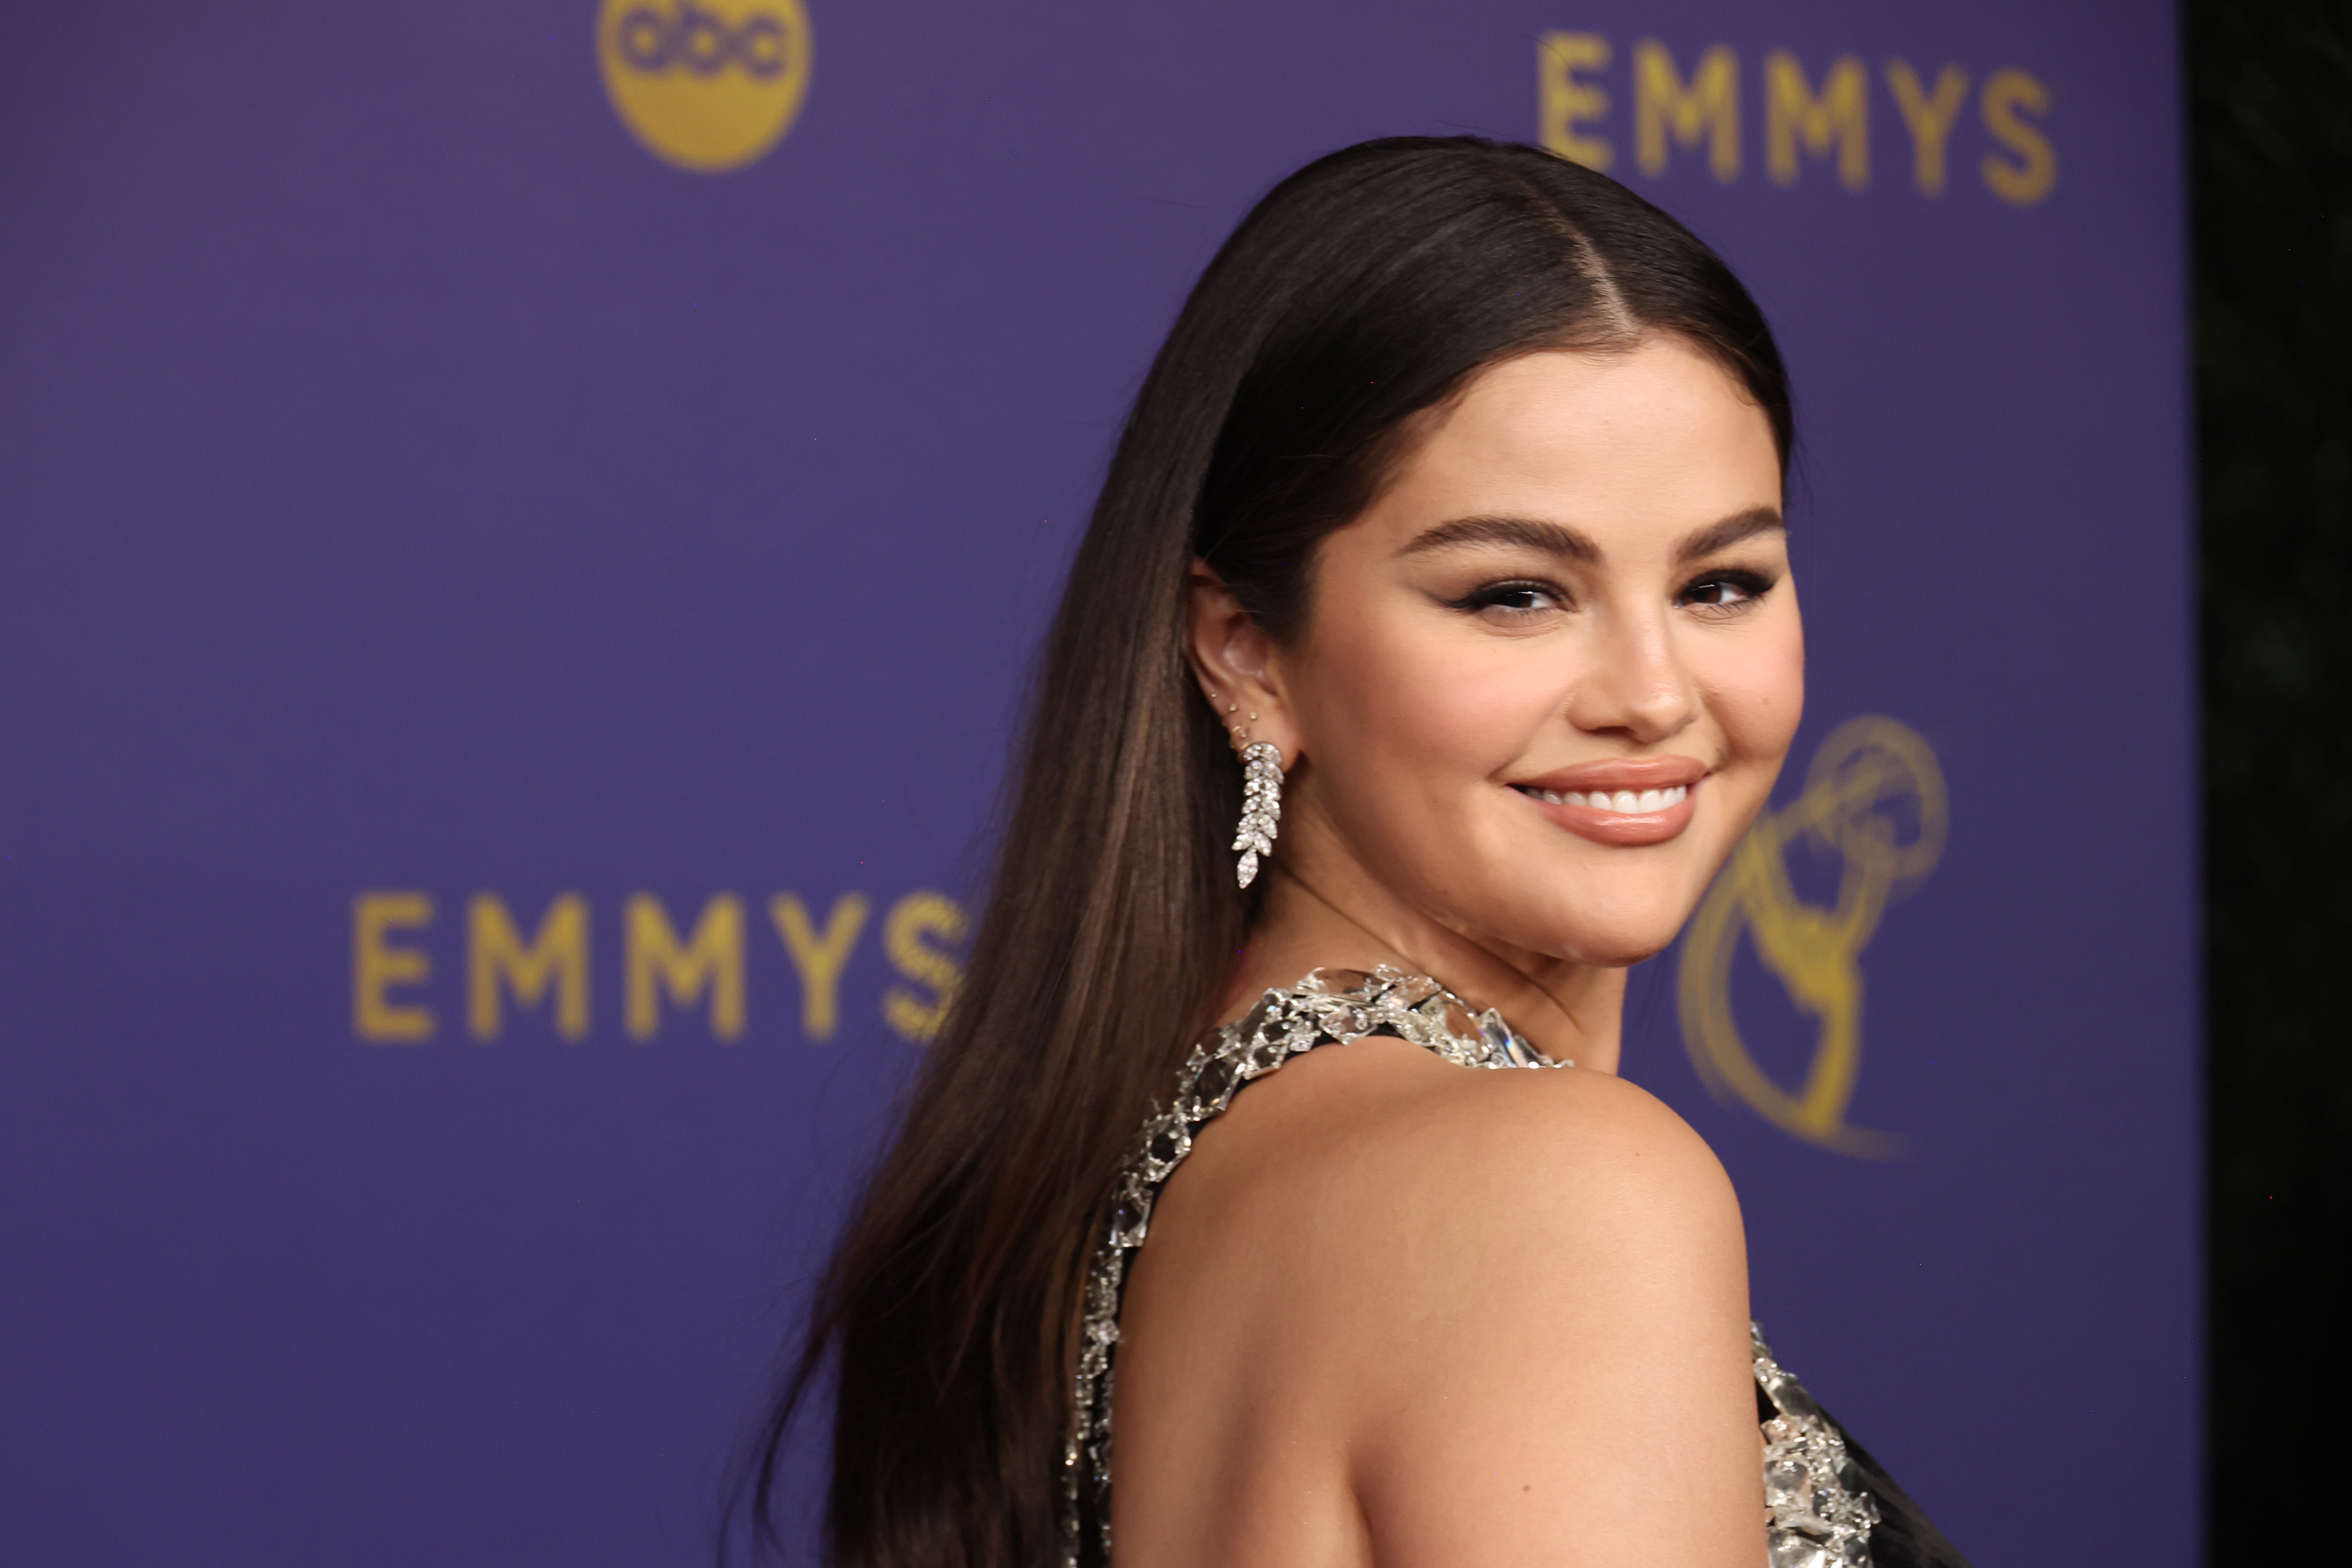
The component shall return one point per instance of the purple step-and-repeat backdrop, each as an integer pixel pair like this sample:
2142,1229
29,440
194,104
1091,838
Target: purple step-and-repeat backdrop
522,532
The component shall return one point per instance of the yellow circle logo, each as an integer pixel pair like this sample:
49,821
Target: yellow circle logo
708,85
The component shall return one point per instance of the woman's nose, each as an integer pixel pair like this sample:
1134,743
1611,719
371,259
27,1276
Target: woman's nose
1636,685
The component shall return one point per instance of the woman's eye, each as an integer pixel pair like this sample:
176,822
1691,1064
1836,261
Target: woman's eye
1725,591
1511,601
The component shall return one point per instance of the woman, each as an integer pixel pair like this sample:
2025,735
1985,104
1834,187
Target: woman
1443,550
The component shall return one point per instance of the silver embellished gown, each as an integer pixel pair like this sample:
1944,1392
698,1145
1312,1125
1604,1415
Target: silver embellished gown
1827,1504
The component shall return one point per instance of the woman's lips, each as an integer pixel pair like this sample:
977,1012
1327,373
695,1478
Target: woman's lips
1638,812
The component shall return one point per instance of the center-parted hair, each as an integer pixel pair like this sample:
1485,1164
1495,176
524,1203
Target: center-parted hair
1364,289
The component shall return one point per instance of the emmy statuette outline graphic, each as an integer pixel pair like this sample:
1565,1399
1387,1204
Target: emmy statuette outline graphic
1870,781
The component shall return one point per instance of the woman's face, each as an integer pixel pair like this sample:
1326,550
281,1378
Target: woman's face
1548,677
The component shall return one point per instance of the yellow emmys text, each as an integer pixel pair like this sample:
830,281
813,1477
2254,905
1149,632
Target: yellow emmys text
676,971
1704,107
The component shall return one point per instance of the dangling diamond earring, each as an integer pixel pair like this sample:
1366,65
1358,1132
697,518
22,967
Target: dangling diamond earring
1261,807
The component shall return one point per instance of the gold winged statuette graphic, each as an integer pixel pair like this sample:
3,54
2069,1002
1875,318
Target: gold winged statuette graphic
1874,799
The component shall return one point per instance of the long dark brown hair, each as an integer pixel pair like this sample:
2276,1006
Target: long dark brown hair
1366,288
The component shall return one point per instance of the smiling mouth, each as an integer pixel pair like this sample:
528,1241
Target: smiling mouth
1625,802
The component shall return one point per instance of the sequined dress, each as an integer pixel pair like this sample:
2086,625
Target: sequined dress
1827,1503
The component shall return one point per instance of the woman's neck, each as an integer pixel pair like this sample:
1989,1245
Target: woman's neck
1333,915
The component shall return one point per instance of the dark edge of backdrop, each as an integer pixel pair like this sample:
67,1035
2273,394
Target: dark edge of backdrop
2271,200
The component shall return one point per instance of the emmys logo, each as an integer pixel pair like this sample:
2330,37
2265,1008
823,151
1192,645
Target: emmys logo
1874,799
707,85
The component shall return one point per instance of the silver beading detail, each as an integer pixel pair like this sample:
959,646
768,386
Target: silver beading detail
1330,1006
1261,808
1818,1511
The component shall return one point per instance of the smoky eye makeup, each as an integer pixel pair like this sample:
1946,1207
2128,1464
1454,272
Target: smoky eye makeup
1726,589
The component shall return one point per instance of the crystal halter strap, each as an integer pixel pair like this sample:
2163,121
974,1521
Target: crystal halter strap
1818,1514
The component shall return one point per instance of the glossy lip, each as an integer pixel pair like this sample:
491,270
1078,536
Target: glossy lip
1617,828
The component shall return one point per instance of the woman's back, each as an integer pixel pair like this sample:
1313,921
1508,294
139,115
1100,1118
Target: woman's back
1395,1311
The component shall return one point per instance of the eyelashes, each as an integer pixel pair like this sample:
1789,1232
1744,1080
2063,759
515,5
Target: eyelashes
1519,596
1726,592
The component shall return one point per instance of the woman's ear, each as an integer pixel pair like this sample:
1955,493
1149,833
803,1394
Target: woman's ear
1234,660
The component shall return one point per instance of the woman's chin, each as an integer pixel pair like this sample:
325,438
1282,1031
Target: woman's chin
1618,951
1605,944
1573,914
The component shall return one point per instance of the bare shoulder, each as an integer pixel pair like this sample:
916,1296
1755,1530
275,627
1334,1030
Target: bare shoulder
1394,1142
1520,1295
1585,1148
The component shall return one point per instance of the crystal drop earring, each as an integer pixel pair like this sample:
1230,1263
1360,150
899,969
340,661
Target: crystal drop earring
1261,807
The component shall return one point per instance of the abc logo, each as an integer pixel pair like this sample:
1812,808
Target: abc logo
708,85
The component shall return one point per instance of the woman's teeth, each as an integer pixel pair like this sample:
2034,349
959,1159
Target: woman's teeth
1629,803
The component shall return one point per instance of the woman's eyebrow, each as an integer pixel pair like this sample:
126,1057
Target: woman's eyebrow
1723,535
1529,533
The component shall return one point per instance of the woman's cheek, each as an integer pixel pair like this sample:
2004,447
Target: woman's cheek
1487,705
1758,697
1427,698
